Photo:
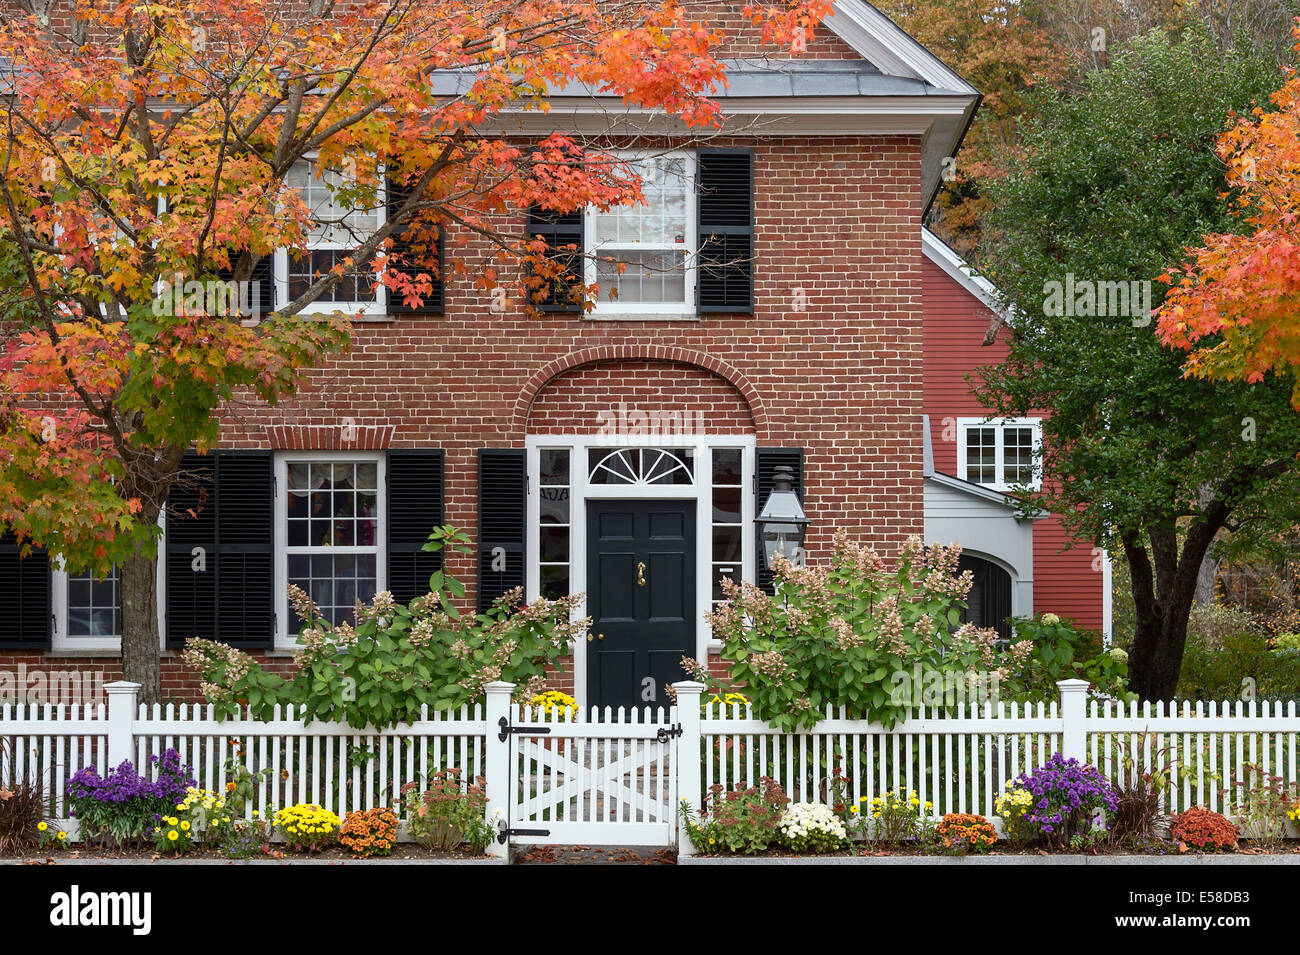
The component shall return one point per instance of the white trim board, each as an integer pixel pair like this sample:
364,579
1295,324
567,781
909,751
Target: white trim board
891,48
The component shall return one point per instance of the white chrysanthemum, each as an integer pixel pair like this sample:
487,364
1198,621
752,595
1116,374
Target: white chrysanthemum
805,818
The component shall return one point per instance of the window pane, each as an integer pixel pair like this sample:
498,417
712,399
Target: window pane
648,277
555,581
554,467
726,543
92,606
726,505
304,270
726,466
981,451
662,218
1018,455
333,504
553,544
720,571
335,582
554,503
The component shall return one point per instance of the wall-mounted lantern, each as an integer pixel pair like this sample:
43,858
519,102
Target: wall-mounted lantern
782,523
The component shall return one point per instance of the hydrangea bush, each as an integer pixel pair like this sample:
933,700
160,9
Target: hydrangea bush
838,632
1067,795
810,827
397,659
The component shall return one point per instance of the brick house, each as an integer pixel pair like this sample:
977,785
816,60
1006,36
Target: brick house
623,453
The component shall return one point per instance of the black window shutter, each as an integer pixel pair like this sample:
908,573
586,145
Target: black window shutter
25,596
191,597
559,230
726,230
225,505
408,256
245,571
415,507
766,461
502,514
263,279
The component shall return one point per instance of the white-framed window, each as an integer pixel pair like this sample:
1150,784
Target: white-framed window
654,243
88,610
330,514
337,229
1001,454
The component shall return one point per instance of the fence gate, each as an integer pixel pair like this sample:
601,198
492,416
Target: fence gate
608,781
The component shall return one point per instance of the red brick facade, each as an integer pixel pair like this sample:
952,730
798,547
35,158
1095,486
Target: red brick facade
830,361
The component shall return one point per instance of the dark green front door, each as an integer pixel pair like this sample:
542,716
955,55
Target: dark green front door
641,597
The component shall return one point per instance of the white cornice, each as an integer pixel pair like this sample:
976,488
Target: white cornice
889,46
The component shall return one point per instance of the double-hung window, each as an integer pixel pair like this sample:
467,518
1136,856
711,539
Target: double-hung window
642,256
336,229
331,513
1000,454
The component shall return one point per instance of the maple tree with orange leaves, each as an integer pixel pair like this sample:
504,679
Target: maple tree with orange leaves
1235,303
150,140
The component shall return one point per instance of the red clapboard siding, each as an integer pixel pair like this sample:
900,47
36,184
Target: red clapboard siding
955,323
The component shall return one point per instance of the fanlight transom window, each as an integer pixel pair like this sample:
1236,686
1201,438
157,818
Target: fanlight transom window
642,466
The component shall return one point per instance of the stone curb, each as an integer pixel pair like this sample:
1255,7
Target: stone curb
1063,859
490,861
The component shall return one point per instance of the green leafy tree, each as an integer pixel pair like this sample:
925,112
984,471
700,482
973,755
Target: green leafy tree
1117,179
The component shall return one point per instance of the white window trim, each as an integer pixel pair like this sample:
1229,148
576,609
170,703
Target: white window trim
581,491
365,309
283,639
615,309
1001,424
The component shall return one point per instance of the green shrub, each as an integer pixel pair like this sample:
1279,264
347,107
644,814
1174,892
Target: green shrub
1230,666
1060,651
397,659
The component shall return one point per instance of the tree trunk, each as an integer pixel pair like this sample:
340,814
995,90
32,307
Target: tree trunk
138,593
1205,580
1164,585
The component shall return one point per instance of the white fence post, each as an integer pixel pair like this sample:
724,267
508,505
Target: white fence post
496,762
122,708
688,755
1074,714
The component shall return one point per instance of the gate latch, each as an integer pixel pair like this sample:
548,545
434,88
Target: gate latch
665,732
506,729
504,832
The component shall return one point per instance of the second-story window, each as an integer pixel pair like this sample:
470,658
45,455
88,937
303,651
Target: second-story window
643,254
1001,454
336,231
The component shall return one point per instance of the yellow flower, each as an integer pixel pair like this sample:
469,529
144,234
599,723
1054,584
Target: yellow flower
42,826
185,825
173,835
63,835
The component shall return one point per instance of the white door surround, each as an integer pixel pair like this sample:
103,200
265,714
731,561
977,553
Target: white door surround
581,489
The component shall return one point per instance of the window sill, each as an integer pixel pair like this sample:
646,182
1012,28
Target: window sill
69,653
639,317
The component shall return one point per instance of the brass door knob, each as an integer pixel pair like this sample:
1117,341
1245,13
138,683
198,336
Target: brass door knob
640,574
600,636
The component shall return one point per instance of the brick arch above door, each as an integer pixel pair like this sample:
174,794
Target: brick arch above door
636,396
570,394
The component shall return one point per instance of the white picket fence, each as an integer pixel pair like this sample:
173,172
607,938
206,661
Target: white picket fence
960,759
618,777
